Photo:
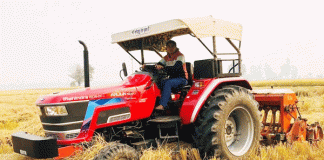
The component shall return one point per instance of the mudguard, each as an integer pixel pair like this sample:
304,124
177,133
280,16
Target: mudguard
197,95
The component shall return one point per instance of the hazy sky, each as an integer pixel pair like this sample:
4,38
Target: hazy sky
39,39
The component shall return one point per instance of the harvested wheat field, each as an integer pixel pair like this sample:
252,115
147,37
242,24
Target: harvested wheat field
19,113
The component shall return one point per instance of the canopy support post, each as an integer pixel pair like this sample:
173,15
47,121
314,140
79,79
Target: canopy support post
238,52
142,51
129,53
214,48
157,52
206,47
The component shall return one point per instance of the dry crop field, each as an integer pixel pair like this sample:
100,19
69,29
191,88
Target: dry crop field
19,113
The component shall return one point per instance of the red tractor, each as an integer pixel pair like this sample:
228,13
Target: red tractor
216,111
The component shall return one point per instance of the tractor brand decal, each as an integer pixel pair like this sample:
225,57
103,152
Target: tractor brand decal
141,31
95,96
81,98
75,98
121,94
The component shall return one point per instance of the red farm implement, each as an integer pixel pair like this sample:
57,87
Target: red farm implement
281,119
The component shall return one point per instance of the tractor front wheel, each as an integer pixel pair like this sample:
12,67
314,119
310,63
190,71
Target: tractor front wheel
228,125
117,151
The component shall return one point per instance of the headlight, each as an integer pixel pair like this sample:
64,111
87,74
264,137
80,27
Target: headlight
55,111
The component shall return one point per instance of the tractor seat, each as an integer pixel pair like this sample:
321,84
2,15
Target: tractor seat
190,72
189,84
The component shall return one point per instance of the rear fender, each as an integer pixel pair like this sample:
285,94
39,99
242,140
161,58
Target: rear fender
193,103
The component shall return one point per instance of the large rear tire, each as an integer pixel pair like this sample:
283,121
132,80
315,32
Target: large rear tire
228,125
117,151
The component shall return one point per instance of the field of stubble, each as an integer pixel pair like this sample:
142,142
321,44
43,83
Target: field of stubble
19,113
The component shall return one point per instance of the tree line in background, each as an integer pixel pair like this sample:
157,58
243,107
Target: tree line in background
77,74
255,72
266,72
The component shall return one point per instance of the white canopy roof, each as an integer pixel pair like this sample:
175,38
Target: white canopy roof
200,27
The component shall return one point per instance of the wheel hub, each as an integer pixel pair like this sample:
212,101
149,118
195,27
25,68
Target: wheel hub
230,130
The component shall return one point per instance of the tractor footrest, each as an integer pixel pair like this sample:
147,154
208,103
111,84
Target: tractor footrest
167,122
34,146
144,144
170,126
165,119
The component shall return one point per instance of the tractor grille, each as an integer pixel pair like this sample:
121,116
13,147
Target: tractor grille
63,135
56,136
71,136
64,127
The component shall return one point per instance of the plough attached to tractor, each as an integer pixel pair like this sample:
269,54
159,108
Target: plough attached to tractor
281,119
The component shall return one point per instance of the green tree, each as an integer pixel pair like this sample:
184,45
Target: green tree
77,74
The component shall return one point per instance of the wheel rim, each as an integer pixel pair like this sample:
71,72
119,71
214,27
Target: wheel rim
239,131
230,131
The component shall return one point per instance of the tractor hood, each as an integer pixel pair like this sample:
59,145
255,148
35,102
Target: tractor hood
127,88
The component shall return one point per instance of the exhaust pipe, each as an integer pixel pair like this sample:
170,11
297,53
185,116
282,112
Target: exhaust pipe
86,65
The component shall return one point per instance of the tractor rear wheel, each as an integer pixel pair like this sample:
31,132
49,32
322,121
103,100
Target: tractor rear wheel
228,125
117,151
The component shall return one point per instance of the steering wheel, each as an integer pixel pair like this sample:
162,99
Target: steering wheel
158,75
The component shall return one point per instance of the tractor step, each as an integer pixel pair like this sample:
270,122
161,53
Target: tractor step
144,144
165,119
168,127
